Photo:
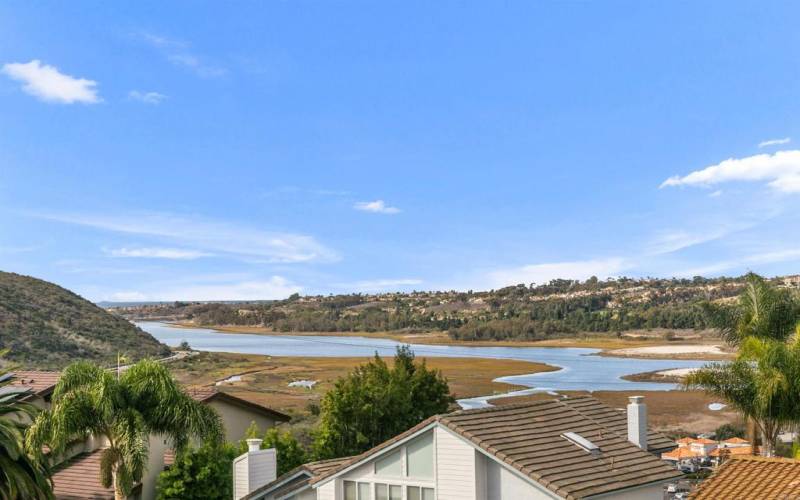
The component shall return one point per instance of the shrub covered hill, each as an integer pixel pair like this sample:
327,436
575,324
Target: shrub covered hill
46,326
526,312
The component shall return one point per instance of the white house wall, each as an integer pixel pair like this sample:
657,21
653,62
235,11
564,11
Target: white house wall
455,467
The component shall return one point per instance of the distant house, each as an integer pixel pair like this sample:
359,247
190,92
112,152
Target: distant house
564,448
77,472
691,449
752,478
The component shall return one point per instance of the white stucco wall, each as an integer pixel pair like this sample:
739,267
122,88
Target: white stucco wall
652,492
502,484
237,419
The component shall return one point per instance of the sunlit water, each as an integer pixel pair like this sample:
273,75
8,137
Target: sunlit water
580,369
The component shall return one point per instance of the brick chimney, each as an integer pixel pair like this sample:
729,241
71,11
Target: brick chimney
637,422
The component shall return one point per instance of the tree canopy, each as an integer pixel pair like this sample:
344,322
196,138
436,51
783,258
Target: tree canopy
126,410
376,402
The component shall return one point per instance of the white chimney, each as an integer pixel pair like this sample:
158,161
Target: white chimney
637,421
254,469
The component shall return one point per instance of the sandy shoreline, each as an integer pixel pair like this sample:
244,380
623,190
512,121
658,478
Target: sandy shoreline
610,346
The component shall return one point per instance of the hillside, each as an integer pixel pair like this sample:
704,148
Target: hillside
561,308
47,326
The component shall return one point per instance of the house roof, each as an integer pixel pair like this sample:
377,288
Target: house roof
79,478
39,382
733,450
529,437
754,478
736,440
206,394
302,475
682,453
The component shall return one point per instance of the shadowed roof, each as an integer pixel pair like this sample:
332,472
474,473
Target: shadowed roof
39,382
206,394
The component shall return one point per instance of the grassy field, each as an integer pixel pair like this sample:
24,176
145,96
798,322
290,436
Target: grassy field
266,378
673,412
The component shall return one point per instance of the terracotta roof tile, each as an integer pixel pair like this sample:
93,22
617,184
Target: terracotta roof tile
734,450
40,382
79,478
753,478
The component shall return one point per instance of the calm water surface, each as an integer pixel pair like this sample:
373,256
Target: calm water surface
580,368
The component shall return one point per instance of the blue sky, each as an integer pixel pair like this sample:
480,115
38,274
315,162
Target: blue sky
199,150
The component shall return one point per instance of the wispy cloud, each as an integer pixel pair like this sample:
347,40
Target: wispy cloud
379,284
48,84
207,235
774,142
781,172
377,206
673,240
275,287
743,263
146,97
180,53
543,273
158,253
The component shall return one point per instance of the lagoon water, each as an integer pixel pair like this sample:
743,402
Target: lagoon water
581,368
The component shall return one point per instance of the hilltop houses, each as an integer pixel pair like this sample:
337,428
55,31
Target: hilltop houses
77,474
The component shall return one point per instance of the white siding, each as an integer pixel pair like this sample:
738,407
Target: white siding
241,477
455,467
327,491
502,484
262,468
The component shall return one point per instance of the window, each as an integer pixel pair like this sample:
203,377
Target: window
356,491
390,465
388,492
350,492
364,491
419,456
419,493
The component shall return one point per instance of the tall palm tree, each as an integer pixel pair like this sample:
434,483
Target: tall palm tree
762,383
21,476
125,409
762,310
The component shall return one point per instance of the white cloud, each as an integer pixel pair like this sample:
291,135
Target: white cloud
377,206
715,194
146,97
543,273
48,84
673,240
207,235
774,142
379,284
276,287
158,253
178,53
781,171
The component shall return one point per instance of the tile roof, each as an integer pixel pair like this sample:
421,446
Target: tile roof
528,437
305,473
736,440
208,393
79,478
733,450
40,382
753,478
682,453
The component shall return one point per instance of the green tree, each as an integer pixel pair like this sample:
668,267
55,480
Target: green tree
762,310
22,476
126,410
374,403
763,383
202,473
288,450
728,431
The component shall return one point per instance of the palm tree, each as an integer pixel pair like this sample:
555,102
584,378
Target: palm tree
21,476
763,383
125,409
762,310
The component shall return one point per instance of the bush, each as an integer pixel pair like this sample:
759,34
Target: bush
203,473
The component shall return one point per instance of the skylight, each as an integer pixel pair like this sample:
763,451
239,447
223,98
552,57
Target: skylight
581,441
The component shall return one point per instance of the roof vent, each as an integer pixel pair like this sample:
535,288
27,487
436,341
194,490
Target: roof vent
581,441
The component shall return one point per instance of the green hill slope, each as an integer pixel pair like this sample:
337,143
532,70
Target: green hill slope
47,326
